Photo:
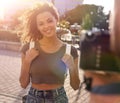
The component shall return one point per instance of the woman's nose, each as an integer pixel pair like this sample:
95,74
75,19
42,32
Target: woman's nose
46,25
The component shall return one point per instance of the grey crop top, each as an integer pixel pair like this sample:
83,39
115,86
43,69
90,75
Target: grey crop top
48,68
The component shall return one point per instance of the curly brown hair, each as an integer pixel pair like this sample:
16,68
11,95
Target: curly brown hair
29,29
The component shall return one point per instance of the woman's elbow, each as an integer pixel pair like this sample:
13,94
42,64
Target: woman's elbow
23,84
75,85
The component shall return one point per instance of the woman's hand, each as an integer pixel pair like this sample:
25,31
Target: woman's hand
68,60
31,54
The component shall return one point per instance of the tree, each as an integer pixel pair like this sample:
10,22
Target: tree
96,13
87,22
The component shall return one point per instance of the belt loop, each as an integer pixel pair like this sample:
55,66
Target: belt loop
44,93
56,91
33,91
36,92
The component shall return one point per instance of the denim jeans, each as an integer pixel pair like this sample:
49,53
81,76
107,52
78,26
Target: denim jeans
47,96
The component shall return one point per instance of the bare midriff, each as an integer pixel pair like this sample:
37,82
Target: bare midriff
46,86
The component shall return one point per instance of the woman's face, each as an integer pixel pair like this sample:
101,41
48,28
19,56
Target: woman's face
46,24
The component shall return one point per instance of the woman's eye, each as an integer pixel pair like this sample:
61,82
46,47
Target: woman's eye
49,21
40,24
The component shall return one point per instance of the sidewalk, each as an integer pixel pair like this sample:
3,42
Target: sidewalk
10,90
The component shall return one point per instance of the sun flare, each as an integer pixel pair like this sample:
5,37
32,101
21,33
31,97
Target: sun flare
10,6
4,5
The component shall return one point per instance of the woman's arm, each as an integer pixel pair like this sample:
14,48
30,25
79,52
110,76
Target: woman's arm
73,70
115,28
25,67
24,75
74,75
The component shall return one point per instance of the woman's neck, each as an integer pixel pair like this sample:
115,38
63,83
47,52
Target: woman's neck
49,41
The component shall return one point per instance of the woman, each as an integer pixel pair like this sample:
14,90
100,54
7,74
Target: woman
45,65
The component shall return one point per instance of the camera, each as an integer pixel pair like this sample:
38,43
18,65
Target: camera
95,52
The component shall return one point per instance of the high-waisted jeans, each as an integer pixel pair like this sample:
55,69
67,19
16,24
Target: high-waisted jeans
47,96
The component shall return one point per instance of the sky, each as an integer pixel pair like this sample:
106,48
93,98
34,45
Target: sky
107,4
10,6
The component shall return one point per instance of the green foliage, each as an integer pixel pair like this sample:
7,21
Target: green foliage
96,13
7,35
87,23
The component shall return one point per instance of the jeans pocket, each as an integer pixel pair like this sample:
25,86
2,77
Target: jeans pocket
31,99
61,99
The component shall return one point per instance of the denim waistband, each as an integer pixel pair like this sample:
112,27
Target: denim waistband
46,93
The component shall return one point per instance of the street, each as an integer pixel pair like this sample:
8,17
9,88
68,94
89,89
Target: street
10,90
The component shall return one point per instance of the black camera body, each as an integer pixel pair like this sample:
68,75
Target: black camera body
95,53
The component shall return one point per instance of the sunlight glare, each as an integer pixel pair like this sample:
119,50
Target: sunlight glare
7,3
4,5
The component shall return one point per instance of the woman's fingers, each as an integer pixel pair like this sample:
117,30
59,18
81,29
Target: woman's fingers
32,54
68,60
